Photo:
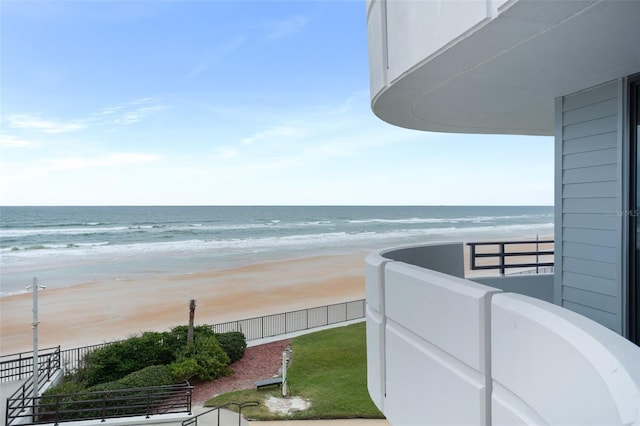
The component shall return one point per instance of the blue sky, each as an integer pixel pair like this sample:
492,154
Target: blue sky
225,103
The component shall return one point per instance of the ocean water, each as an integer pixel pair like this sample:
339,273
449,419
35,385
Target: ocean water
64,246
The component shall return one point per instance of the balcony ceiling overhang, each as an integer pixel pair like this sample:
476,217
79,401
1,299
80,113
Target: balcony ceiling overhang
503,77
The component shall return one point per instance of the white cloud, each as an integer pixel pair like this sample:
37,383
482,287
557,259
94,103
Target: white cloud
123,114
133,116
147,100
287,27
227,153
276,132
69,180
9,141
215,55
358,101
29,122
110,110
116,159
128,112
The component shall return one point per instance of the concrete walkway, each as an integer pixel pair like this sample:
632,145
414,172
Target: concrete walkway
332,422
6,390
229,418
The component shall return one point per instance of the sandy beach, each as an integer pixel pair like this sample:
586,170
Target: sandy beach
97,312
93,313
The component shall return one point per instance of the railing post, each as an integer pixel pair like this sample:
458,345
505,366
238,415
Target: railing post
104,407
148,403
189,394
501,258
472,256
537,254
33,410
23,398
57,411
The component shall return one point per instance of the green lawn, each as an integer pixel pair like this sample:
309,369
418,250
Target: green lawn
329,369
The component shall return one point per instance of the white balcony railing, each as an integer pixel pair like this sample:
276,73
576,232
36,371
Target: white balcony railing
446,350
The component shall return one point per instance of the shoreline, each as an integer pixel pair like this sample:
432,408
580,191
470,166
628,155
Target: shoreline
97,312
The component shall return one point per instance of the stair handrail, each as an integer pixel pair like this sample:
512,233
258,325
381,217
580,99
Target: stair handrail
194,419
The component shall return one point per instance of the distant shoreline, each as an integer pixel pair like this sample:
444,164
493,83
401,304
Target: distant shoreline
65,246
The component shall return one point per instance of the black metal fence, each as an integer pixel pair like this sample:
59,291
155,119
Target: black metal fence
19,366
100,405
256,328
72,359
290,322
511,254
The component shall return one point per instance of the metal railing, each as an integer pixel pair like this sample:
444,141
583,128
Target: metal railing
18,366
290,322
100,405
48,364
255,328
194,419
510,257
73,359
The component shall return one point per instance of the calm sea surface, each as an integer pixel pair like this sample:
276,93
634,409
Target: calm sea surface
70,245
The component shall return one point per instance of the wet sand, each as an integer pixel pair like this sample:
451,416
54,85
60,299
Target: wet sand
97,312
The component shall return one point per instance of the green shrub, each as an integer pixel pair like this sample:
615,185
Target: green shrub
65,388
233,343
154,375
148,360
59,396
105,387
177,337
184,370
118,359
212,361
121,358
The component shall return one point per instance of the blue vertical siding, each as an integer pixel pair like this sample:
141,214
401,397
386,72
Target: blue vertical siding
589,185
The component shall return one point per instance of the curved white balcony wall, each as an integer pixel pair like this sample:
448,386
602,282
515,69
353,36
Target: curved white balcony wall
539,286
431,331
553,366
493,66
444,350
447,258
